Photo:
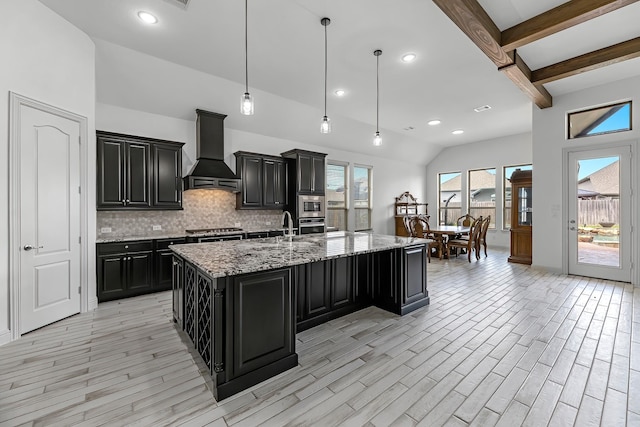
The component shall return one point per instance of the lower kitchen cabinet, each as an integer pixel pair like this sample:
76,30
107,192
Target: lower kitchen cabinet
163,259
400,279
124,269
127,269
325,291
263,330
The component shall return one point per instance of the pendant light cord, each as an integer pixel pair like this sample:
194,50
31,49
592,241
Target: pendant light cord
246,49
377,91
325,70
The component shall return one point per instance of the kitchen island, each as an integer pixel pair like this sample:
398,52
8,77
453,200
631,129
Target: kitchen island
240,303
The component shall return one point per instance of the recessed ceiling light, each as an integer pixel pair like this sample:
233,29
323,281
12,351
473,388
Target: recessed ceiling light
147,17
434,122
340,92
408,57
481,109
458,132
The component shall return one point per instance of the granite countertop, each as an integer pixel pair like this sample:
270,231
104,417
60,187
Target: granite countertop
179,235
230,258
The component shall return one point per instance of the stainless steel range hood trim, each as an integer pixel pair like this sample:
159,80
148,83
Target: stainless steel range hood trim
210,170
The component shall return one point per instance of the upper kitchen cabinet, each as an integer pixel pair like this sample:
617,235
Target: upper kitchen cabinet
136,173
167,175
264,181
309,171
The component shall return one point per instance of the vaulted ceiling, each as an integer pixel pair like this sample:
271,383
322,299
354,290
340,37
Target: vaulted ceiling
194,58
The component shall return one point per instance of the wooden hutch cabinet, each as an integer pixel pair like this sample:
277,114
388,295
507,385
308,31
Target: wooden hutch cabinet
521,216
407,205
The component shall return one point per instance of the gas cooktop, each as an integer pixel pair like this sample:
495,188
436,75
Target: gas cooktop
214,230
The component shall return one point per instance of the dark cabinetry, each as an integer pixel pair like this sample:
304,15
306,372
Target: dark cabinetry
400,279
264,181
163,259
138,173
325,290
177,275
242,326
124,269
307,170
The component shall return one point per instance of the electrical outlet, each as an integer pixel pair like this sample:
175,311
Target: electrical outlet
237,224
105,230
157,227
267,223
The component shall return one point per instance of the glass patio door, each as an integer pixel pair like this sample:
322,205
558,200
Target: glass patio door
599,229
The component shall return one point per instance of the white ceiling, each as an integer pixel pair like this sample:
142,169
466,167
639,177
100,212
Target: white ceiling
194,58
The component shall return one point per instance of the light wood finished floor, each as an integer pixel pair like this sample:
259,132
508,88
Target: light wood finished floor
500,344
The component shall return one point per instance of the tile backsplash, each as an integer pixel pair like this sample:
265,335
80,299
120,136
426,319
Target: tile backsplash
202,209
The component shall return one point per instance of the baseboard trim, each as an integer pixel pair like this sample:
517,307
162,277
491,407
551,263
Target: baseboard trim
93,303
5,337
553,270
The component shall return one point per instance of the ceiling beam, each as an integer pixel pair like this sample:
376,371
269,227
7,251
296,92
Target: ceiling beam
559,18
520,74
587,62
474,21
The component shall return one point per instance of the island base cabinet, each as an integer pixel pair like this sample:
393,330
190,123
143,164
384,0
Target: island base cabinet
243,327
400,279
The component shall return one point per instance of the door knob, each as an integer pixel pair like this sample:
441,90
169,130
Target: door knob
29,247
572,228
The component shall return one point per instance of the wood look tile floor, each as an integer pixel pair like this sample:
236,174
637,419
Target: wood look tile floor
500,344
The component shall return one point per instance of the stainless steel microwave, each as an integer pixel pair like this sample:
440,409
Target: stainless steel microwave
311,206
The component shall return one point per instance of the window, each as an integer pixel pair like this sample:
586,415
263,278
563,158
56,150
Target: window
482,194
449,197
601,120
362,197
506,211
336,195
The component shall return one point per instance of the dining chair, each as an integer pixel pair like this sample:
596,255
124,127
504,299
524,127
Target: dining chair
482,237
465,220
470,244
419,227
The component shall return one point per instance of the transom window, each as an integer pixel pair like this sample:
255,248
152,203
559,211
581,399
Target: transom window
601,120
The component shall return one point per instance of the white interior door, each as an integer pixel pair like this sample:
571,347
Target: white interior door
49,218
599,231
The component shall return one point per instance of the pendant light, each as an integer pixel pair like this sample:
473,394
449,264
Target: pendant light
246,102
377,139
325,125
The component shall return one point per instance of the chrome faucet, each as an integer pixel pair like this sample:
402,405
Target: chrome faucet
287,215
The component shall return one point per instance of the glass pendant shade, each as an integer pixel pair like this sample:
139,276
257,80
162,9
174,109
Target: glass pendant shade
325,126
246,104
377,140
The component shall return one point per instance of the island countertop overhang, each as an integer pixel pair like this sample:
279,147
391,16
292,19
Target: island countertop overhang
232,258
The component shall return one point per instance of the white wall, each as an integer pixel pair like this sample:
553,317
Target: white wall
47,59
390,177
496,153
549,140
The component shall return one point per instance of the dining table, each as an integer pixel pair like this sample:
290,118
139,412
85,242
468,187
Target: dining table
446,232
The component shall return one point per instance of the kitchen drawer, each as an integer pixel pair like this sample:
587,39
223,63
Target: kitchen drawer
257,234
122,247
162,244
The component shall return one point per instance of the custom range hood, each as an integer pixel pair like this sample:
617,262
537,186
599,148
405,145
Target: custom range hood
210,170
